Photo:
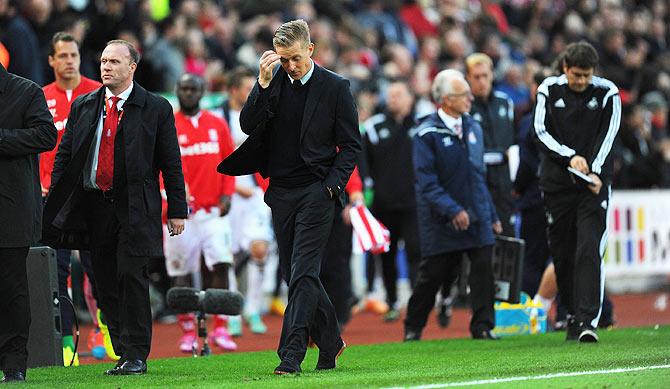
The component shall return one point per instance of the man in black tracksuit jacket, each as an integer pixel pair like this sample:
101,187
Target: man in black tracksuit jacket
495,112
388,156
576,120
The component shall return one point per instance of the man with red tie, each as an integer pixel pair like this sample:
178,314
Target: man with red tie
105,196
65,60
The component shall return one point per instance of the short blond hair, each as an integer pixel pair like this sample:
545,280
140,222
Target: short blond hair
291,32
477,59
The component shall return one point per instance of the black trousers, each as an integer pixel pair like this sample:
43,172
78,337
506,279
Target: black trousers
302,219
121,280
500,186
434,270
15,309
536,256
63,257
402,224
336,268
577,233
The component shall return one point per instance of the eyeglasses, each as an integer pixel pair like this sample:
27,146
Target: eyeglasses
464,94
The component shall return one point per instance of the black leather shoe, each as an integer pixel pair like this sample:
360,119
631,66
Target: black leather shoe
573,330
13,376
411,335
485,335
133,367
287,366
328,361
115,369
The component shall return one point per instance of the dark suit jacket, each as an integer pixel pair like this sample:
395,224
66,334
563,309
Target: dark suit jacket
150,145
329,137
26,129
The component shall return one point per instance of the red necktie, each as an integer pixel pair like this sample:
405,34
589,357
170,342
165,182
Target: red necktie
105,173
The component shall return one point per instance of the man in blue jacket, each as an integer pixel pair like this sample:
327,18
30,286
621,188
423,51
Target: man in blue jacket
455,210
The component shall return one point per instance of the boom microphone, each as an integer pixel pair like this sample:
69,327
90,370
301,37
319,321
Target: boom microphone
215,301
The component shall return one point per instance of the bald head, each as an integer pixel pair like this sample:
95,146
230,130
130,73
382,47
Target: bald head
190,89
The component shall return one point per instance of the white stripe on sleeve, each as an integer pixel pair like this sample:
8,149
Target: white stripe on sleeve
541,130
606,146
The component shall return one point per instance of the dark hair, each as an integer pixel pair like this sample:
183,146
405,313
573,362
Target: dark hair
580,54
237,76
61,36
194,77
134,55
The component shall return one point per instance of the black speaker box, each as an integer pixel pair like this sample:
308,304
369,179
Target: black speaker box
508,268
45,346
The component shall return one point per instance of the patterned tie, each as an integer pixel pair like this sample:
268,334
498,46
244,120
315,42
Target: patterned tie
459,130
105,173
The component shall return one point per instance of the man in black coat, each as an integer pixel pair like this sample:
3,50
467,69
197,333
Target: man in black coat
495,112
26,129
105,196
303,134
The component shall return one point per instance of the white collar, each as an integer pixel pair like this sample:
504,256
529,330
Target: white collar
306,77
123,96
450,121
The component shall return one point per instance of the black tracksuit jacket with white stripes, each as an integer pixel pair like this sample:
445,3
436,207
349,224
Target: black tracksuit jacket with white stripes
569,123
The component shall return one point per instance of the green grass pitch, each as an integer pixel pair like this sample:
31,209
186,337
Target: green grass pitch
432,363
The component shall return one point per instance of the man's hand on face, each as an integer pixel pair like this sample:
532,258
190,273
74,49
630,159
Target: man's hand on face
267,63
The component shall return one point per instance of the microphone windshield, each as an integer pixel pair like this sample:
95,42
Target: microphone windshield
183,299
223,302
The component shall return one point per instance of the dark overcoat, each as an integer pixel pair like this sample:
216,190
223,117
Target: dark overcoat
26,129
150,146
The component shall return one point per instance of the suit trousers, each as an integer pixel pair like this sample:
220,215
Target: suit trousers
577,237
434,270
302,219
536,256
336,268
15,308
121,280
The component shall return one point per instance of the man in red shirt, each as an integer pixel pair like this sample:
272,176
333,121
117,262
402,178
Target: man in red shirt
65,60
204,140
70,84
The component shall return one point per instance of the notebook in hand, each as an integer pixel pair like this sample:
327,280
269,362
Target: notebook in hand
581,175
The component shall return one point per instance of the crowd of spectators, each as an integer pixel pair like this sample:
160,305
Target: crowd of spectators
373,43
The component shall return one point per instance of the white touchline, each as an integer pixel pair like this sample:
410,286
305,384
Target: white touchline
536,377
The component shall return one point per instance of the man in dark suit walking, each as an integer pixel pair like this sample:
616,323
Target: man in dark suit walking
26,129
105,196
303,134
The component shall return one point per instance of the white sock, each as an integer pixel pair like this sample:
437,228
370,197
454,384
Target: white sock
546,302
254,297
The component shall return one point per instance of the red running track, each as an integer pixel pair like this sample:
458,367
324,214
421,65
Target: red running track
635,310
